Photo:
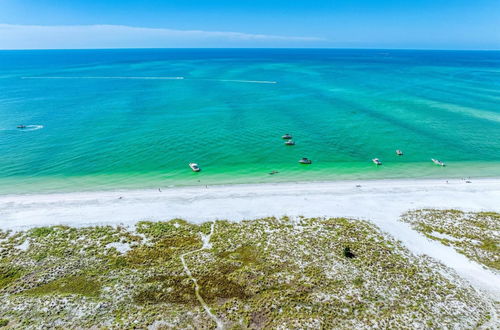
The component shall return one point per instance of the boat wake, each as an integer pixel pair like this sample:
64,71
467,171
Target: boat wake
108,77
154,78
244,81
30,128
26,128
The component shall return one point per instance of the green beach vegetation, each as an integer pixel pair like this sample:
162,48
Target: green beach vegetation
474,234
266,273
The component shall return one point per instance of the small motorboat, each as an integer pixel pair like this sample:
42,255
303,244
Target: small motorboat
438,162
376,161
290,143
286,137
195,167
305,161
21,126
399,152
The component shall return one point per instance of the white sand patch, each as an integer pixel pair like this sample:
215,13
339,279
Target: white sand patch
451,238
379,201
444,236
161,325
24,246
120,247
206,240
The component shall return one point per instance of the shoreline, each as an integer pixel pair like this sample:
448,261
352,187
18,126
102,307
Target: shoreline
210,184
185,178
180,195
379,201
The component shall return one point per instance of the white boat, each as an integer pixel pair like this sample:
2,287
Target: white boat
377,161
290,143
195,167
286,137
438,162
399,152
305,161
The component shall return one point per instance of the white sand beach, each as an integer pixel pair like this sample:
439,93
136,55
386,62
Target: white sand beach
379,201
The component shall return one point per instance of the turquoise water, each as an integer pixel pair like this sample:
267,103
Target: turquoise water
107,119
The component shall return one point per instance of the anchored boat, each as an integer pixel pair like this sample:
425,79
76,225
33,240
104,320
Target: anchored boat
195,167
286,137
438,162
377,161
290,143
305,161
399,152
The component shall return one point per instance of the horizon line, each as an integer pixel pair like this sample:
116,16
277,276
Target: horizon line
256,48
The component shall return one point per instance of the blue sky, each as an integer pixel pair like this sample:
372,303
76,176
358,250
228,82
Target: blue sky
425,24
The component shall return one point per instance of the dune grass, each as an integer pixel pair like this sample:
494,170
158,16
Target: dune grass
265,273
474,234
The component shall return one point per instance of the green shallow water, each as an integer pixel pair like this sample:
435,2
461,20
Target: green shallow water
107,127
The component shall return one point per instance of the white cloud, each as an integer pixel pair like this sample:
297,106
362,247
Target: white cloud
120,36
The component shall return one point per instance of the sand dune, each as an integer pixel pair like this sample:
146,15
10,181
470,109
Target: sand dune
379,201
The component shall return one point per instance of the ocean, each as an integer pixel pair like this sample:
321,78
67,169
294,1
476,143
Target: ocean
135,118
